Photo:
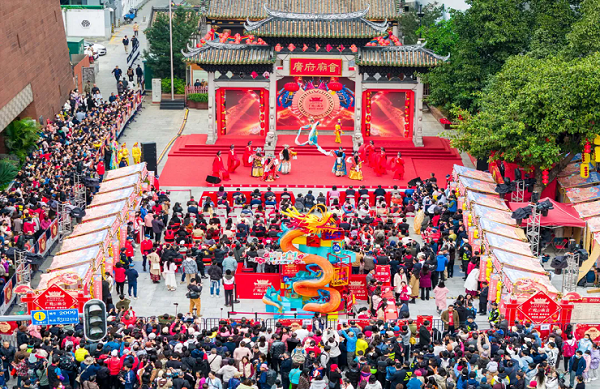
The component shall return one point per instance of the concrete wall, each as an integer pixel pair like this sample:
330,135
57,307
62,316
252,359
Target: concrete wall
34,57
87,23
77,72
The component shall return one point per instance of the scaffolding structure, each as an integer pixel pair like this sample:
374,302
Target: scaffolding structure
65,224
23,271
79,200
570,273
518,195
534,228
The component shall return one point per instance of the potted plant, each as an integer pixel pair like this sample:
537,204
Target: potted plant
197,100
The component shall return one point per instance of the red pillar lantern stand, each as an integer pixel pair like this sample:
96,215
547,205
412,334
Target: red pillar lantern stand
262,112
367,113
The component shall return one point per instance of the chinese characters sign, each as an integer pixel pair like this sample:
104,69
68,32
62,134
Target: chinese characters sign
316,67
539,308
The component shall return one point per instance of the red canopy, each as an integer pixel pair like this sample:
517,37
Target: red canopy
563,215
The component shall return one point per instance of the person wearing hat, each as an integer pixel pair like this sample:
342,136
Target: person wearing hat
88,368
494,315
132,277
335,377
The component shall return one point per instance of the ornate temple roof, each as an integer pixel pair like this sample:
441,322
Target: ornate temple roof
326,25
254,10
216,53
400,56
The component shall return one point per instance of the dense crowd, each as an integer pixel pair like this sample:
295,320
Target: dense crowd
75,142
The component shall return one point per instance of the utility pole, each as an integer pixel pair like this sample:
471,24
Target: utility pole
171,49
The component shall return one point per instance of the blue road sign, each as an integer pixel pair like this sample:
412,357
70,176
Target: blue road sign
57,316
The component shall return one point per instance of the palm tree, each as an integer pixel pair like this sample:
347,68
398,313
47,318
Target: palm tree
8,172
21,136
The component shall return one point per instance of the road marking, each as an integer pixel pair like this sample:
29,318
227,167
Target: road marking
114,36
185,116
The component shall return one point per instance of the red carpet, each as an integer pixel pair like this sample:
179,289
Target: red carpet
190,161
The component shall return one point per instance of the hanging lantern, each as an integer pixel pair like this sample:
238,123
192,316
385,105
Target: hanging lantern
585,170
368,118
586,158
587,148
291,87
262,124
335,86
262,116
545,175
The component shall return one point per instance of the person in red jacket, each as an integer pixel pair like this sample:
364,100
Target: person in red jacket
129,249
114,367
100,170
129,318
146,248
120,278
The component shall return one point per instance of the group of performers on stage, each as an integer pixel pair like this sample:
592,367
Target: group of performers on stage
265,167
268,167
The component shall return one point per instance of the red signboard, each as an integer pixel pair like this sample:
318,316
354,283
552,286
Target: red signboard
383,274
539,308
358,286
289,269
593,330
255,285
316,67
55,298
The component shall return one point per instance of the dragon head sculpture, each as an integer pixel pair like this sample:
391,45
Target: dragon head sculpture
318,219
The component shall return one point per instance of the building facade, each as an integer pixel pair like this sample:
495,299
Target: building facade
36,73
275,66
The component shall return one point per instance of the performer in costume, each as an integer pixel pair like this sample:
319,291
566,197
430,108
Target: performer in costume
285,156
270,168
370,154
256,162
114,159
124,155
356,168
247,154
398,164
312,137
136,153
362,151
219,168
381,163
339,166
338,131
232,161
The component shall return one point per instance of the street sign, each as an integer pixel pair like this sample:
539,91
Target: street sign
53,317
55,298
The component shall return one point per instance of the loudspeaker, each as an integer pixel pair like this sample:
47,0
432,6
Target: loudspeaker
213,180
149,155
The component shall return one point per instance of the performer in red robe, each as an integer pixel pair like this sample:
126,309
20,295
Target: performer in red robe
218,169
398,166
232,161
247,153
381,163
362,152
370,154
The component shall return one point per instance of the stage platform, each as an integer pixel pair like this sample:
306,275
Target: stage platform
190,161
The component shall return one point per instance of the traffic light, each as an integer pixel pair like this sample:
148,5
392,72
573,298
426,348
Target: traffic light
94,320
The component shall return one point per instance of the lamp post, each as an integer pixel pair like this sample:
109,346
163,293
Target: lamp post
171,49
420,15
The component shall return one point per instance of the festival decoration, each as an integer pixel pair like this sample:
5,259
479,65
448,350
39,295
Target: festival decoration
545,175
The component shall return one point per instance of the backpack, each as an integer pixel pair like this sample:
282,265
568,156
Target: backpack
298,357
67,363
471,386
68,342
271,377
569,350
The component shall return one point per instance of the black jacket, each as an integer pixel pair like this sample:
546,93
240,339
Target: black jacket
424,336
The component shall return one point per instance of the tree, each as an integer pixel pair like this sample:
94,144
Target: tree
553,21
535,112
185,26
21,136
409,21
441,37
487,34
8,172
584,37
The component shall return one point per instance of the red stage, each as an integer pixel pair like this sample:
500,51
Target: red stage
190,161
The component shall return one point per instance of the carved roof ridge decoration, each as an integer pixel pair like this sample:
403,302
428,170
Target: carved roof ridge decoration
419,47
316,16
192,51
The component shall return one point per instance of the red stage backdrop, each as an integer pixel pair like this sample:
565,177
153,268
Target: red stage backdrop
297,114
242,111
388,113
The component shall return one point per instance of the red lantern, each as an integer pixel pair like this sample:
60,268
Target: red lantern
335,86
587,148
291,87
368,126
545,177
262,124
262,117
368,118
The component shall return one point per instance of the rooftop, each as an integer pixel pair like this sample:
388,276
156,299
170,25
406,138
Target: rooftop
255,10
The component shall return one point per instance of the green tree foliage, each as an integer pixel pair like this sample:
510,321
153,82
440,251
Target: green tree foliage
8,172
535,112
21,137
553,21
441,37
584,38
487,34
185,26
409,21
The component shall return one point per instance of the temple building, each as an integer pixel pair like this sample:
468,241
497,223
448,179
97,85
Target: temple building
276,66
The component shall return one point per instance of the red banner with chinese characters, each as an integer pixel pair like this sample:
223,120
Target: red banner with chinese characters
290,269
255,285
358,286
383,274
316,67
